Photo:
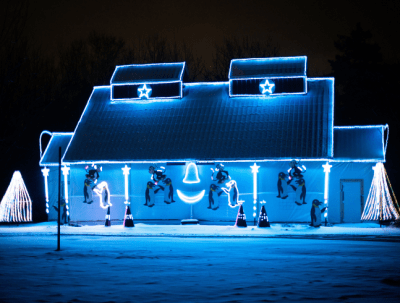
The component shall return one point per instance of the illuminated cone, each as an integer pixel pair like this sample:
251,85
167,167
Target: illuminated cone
108,217
241,218
128,220
263,218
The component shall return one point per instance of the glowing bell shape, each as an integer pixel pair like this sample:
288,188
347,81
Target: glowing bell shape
192,175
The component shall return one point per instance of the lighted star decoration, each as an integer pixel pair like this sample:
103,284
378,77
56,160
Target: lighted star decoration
254,168
126,170
45,172
267,87
144,91
327,168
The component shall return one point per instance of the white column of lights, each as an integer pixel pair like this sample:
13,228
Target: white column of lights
327,170
16,205
45,172
254,170
379,205
65,171
126,170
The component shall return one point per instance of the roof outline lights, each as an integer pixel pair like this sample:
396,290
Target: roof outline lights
269,59
207,83
80,119
40,141
48,145
305,79
145,83
217,160
149,64
383,127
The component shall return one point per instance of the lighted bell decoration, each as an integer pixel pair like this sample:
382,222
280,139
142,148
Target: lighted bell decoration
108,217
263,218
241,218
192,175
128,219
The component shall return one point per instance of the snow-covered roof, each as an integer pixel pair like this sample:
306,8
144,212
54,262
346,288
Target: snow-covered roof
206,124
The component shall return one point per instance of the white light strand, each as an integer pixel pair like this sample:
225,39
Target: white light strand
254,170
16,205
126,170
327,170
379,205
65,171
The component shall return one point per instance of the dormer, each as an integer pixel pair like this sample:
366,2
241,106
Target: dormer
147,81
268,76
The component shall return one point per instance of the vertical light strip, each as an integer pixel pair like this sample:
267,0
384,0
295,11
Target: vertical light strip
254,170
45,172
327,170
65,171
126,170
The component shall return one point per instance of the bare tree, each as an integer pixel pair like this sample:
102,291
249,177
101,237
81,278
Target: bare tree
235,48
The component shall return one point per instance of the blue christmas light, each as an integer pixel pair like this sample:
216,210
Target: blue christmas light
267,87
192,199
144,91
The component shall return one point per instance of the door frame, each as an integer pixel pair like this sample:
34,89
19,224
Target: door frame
342,181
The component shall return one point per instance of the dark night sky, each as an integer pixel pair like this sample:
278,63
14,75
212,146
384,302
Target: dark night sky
298,27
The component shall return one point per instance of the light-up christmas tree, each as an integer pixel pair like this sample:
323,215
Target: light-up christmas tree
16,205
381,202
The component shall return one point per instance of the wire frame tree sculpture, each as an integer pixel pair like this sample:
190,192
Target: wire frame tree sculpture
381,202
16,205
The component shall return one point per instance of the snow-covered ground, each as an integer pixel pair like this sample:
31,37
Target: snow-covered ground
203,263
366,230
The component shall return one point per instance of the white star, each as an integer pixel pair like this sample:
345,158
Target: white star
126,170
327,168
267,87
144,91
254,168
45,172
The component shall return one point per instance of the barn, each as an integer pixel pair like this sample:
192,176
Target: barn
270,127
